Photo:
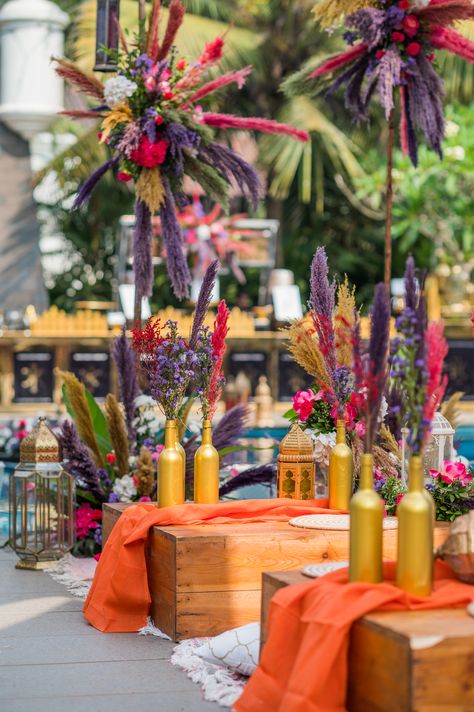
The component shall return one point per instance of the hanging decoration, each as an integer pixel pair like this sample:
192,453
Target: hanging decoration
392,47
158,132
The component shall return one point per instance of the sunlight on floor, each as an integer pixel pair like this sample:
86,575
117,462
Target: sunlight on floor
22,611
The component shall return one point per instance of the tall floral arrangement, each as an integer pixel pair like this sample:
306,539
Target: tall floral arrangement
417,357
158,132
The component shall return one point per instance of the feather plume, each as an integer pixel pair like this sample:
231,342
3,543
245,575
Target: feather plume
229,121
175,20
238,77
85,83
321,304
118,434
449,408
124,359
203,301
141,248
436,349
76,396
149,188
176,263
152,41
86,189
145,473
446,38
79,460
218,343
259,475
446,12
338,60
233,168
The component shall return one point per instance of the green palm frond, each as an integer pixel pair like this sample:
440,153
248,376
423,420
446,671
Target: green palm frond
458,74
76,163
285,156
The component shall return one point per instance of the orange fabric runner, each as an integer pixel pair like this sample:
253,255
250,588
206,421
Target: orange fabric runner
303,667
119,599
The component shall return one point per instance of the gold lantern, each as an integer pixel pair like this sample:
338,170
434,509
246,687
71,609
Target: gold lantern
296,469
42,502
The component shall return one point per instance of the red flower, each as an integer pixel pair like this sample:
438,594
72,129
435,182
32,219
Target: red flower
150,154
398,37
404,4
399,498
411,25
158,120
413,49
124,177
181,64
380,53
212,51
111,459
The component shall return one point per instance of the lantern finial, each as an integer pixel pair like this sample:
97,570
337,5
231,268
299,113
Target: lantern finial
41,445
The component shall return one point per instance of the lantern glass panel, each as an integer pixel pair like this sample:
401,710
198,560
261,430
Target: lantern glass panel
107,35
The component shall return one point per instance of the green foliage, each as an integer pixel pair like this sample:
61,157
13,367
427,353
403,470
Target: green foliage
390,490
451,499
432,212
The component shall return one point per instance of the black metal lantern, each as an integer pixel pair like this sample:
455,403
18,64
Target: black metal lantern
107,35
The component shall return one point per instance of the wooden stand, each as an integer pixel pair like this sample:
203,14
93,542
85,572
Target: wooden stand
403,661
205,579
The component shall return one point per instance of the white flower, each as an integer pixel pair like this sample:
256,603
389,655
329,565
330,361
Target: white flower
323,444
451,129
117,90
383,410
125,488
456,152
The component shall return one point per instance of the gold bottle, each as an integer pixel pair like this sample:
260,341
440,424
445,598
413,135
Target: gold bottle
206,469
170,469
415,535
341,467
366,528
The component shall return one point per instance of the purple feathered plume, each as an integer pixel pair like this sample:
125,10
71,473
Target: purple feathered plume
79,460
203,301
411,134
321,304
90,183
259,475
176,263
370,24
234,169
142,263
426,102
124,359
179,137
411,284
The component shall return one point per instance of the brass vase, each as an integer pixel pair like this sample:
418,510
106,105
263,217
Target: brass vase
206,469
341,466
415,535
366,528
170,469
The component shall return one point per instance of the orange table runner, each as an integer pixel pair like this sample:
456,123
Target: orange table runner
119,599
303,667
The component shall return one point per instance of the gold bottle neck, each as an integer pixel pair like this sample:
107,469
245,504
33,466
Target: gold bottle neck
367,471
171,433
415,474
340,432
206,432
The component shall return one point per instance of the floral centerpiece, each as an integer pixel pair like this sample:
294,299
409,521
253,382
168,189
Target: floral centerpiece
158,132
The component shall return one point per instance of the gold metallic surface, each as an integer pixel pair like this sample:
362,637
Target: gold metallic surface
206,469
415,535
341,467
296,468
366,528
30,565
170,469
41,445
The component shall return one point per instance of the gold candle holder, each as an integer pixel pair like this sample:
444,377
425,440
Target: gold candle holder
170,469
341,467
366,528
206,469
415,535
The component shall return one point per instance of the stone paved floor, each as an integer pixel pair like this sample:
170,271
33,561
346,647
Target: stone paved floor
51,660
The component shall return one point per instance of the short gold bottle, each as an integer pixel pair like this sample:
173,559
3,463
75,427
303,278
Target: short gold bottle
170,469
366,528
341,466
206,469
415,535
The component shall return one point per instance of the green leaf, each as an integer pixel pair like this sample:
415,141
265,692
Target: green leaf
290,414
99,423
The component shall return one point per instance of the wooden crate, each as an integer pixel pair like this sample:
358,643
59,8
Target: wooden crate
205,579
403,661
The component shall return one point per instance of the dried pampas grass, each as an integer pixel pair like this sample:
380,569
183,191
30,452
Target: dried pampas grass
118,434
303,346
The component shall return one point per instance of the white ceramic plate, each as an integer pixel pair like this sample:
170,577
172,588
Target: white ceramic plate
317,570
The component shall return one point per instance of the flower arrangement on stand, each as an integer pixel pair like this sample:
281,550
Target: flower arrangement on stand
156,128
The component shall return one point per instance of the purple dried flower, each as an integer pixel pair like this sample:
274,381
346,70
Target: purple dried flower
142,263
79,460
370,24
230,427
203,301
355,102
389,74
426,106
176,263
411,284
90,183
130,140
411,135
321,304
260,475
124,358
234,169
179,137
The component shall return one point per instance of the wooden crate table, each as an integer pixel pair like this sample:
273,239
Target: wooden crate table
205,579
403,661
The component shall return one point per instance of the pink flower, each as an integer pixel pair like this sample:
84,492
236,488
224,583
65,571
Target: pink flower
150,83
452,472
97,557
148,154
144,499
360,428
399,498
413,49
378,474
86,520
411,25
380,53
303,403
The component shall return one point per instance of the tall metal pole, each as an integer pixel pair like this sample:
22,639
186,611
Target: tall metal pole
389,205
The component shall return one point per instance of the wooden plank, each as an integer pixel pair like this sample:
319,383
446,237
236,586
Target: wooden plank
211,613
111,513
271,583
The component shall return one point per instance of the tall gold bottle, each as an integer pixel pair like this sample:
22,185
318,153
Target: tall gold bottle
206,469
415,535
341,468
170,469
366,528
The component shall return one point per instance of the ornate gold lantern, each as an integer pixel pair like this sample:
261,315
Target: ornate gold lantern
42,502
296,469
